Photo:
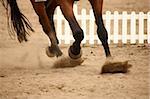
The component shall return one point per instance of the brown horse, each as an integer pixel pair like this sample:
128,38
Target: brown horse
45,11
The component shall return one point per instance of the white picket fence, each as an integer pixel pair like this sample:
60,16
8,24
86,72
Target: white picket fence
125,28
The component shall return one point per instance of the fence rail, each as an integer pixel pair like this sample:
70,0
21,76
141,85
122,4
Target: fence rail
125,28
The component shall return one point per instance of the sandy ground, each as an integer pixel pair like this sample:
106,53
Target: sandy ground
26,72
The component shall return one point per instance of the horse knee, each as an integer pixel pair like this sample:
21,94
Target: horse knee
78,35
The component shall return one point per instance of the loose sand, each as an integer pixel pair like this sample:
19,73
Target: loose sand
26,72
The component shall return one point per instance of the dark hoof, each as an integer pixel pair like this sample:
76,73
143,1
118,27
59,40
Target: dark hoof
53,51
74,56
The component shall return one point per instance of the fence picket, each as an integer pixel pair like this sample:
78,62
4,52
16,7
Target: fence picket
115,38
83,24
148,27
141,28
91,34
133,28
108,21
124,27
75,10
67,33
59,24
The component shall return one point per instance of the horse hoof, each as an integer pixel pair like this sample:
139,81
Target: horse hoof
49,53
53,51
74,56
58,53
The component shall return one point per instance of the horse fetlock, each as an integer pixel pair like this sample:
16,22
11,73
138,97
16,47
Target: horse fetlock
78,35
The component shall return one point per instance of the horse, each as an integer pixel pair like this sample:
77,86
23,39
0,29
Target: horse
45,11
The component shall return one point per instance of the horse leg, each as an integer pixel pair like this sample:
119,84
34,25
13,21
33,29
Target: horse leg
110,66
67,10
50,8
101,30
44,21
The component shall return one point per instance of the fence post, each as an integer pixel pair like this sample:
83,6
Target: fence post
124,27
83,24
148,27
141,28
133,28
91,34
108,21
116,14
59,24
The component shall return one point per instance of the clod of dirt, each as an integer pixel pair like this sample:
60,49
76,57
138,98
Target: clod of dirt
3,76
60,86
131,54
115,67
64,62
91,52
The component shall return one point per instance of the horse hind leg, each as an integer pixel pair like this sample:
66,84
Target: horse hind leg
50,8
39,8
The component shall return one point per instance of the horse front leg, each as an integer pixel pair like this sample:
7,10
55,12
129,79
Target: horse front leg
54,49
111,65
67,10
101,30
